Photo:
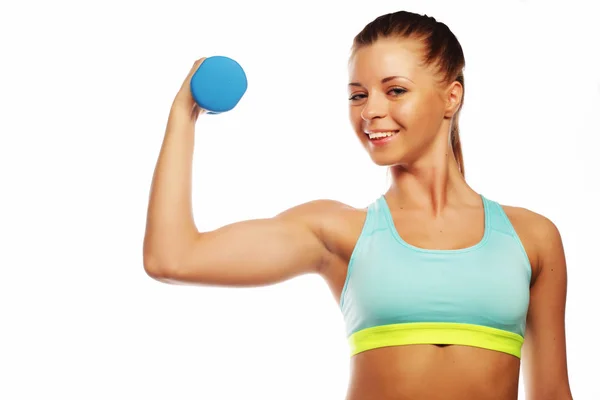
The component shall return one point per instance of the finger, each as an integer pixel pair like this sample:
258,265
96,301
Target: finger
195,67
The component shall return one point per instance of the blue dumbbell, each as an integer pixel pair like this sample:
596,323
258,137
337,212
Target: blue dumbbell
218,84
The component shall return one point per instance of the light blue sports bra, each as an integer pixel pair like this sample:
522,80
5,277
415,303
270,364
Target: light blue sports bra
398,294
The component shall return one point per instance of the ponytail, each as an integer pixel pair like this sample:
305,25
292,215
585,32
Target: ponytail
456,146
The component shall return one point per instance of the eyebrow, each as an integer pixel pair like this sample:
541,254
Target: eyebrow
384,80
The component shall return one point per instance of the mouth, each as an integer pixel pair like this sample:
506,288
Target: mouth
381,136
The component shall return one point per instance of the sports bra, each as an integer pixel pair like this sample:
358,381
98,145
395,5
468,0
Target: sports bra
399,294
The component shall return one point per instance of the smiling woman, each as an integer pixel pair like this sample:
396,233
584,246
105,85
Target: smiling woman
442,289
417,66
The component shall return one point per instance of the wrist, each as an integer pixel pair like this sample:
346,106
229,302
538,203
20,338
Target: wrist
185,110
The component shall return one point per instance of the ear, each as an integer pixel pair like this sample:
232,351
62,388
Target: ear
453,98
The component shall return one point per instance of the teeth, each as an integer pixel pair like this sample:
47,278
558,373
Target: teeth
379,135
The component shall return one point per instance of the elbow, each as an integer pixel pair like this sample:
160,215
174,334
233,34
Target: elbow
162,256
164,272
158,267
155,269
158,258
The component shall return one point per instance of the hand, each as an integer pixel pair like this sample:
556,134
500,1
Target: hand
184,102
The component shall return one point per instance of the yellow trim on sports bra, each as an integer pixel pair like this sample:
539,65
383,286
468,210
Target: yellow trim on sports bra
436,333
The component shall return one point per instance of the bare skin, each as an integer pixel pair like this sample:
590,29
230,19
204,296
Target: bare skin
432,206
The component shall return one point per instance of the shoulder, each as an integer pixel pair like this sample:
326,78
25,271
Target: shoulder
335,223
323,215
539,234
315,210
539,226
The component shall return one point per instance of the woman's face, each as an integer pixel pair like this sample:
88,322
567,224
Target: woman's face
397,106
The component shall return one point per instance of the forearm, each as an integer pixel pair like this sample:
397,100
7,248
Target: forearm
170,224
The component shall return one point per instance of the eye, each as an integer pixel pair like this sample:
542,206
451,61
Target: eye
397,91
357,97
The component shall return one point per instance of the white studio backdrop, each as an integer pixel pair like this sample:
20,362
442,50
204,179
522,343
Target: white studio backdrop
85,91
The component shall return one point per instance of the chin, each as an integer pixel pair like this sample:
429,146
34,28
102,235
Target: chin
386,160
388,153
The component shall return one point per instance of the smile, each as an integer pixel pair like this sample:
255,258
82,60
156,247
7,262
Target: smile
381,138
381,135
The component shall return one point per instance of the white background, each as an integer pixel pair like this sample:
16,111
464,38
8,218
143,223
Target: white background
85,90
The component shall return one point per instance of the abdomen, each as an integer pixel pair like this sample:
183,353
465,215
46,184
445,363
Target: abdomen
429,372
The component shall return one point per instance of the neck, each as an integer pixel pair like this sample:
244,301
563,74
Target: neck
430,184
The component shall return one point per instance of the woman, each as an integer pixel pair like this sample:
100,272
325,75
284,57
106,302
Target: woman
438,285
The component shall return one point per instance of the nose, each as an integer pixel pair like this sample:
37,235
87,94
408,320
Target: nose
375,107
